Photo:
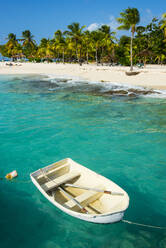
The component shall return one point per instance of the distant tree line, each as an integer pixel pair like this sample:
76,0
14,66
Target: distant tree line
146,44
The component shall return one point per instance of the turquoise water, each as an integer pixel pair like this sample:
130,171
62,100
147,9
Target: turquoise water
122,138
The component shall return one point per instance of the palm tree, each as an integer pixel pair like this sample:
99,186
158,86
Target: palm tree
11,37
107,41
129,18
70,49
29,43
45,50
60,42
76,35
27,37
87,44
97,38
13,48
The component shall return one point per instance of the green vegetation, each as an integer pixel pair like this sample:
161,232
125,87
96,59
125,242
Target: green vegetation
146,44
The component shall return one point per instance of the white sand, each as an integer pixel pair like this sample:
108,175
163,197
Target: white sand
153,76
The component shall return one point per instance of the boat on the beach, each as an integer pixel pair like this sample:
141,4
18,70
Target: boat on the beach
132,73
80,192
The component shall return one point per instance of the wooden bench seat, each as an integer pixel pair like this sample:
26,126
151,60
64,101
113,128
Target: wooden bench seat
52,171
84,199
49,185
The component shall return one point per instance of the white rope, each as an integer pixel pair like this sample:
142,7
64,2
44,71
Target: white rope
139,224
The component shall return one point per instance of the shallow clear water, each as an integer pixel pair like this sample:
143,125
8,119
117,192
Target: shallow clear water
123,138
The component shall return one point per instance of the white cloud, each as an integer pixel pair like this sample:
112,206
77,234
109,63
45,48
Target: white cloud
146,17
149,14
149,11
113,23
93,26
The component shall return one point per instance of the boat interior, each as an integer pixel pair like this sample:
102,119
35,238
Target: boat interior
52,180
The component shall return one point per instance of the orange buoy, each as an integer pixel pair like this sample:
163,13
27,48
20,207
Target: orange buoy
11,175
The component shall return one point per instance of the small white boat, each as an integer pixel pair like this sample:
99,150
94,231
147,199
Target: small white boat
80,192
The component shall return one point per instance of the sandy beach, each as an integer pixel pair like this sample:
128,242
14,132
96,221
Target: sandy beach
152,77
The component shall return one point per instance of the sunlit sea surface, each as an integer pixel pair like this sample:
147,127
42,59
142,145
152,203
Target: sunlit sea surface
45,119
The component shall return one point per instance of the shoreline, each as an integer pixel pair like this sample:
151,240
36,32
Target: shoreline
152,77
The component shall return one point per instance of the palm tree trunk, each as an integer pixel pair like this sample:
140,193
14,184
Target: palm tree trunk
80,60
77,52
131,51
63,55
144,62
87,56
96,56
102,55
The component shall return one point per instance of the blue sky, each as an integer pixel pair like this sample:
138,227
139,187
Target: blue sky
44,17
